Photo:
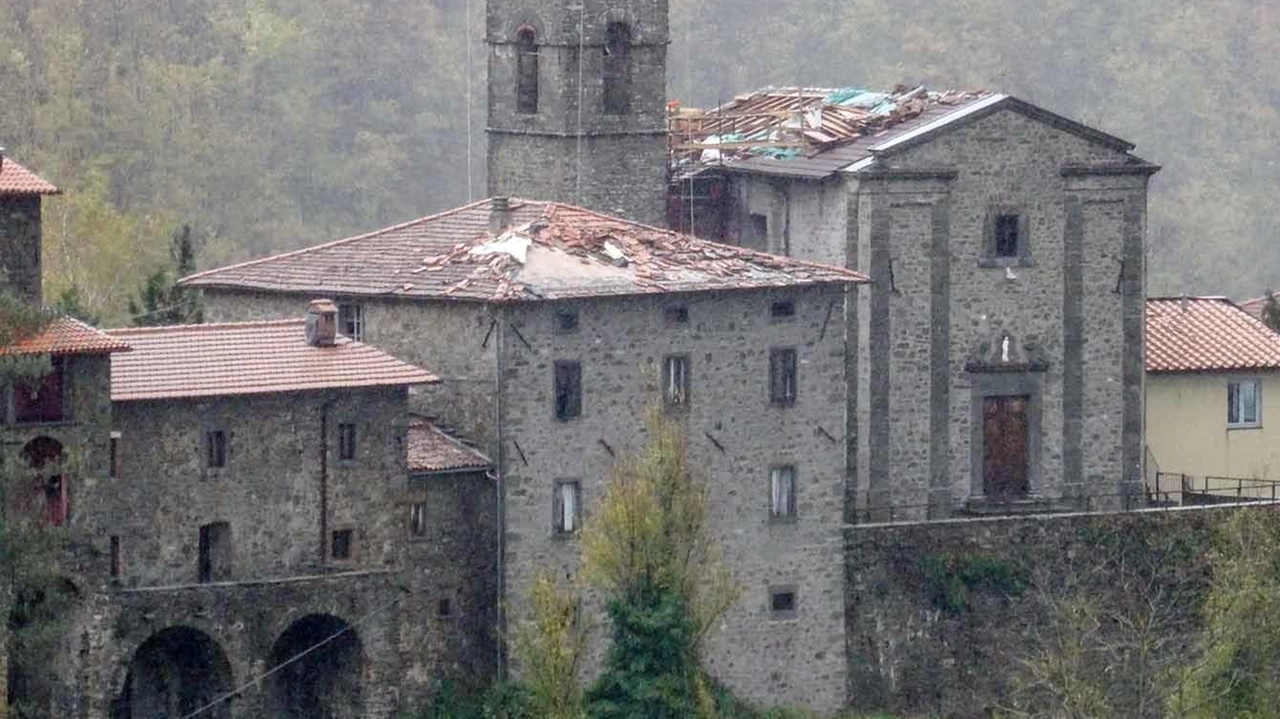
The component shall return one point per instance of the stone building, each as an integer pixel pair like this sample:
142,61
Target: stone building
21,196
1000,347
577,103
554,328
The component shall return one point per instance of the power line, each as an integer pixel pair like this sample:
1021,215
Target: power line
258,679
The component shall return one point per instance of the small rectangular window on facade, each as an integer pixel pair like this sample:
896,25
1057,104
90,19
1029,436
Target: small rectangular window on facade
566,321
1244,404
418,519
116,568
566,507
340,547
215,552
40,400
782,602
782,309
215,445
114,458
675,381
444,608
756,234
351,320
782,377
568,390
617,69
782,492
1007,235
676,316
527,71
56,504
346,441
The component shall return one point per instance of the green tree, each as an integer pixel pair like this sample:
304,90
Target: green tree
161,301
1271,311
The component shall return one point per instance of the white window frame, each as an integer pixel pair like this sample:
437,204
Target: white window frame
567,507
351,313
418,519
1235,404
782,495
675,377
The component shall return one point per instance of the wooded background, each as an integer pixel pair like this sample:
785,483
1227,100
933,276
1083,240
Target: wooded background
269,125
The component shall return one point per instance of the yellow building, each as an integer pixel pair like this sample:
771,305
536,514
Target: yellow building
1213,373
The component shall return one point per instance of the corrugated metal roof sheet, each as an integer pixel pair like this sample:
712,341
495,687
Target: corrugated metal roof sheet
553,251
1199,334
191,361
18,180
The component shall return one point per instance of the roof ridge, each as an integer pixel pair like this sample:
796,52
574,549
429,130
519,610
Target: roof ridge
457,442
335,243
203,326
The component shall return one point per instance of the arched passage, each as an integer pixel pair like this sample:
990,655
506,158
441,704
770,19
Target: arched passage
174,673
323,684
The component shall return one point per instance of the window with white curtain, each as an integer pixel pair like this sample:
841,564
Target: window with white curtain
568,507
782,489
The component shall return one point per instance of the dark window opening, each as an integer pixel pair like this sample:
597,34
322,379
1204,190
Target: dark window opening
1007,239
675,381
782,602
417,519
567,321
215,442
782,492
756,234
114,459
351,320
340,548
617,69
677,315
346,441
782,377
215,552
527,72
568,390
567,506
115,556
444,608
55,500
40,400
782,309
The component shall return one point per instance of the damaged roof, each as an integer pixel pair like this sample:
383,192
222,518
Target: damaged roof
18,180
813,133
216,360
431,449
548,251
1198,334
67,336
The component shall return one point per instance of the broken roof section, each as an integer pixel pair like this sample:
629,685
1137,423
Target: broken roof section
812,133
548,251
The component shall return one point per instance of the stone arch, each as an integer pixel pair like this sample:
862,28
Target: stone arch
621,16
522,19
323,675
175,672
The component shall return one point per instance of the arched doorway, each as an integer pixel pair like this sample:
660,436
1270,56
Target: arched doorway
174,673
323,683
43,456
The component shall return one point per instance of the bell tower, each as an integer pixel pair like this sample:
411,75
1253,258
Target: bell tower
577,103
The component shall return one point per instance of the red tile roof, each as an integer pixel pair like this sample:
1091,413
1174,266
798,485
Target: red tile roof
1199,334
67,336
247,358
553,251
1254,306
18,180
433,450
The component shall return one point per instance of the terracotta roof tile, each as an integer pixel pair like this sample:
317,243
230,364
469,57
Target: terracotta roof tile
553,251
18,180
1207,334
67,336
247,358
1254,306
433,450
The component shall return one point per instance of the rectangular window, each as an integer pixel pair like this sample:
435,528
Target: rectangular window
568,390
782,310
782,377
782,602
444,608
417,519
675,381
756,233
215,442
55,500
351,320
1007,239
346,441
114,459
215,552
676,316
567,508
40,400
1244,404
617,69
527,72
782,492
566,321
341,546
115,556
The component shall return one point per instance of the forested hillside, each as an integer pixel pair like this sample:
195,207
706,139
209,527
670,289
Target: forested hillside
272,124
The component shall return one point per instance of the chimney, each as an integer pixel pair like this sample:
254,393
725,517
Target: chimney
499,214
322,323
1182,303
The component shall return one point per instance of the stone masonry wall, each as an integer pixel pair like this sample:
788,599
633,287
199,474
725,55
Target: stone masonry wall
806,219
735,435
20,246
270,490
